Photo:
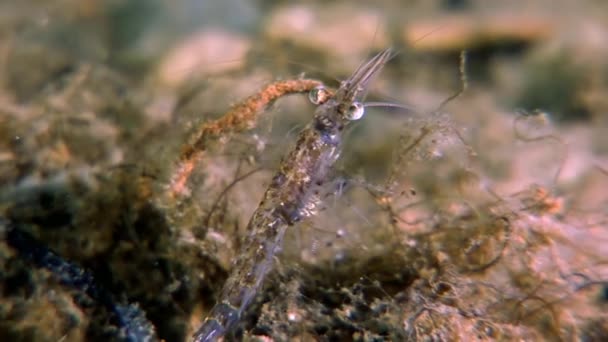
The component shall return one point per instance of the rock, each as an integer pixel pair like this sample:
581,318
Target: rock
458,32
344,33
207,52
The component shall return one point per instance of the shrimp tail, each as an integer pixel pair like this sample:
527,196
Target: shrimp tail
221,319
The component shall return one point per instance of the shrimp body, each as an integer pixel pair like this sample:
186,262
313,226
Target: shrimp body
291,196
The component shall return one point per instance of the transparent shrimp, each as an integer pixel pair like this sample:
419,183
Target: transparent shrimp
291,196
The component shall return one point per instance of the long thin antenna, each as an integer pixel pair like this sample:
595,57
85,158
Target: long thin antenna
406,108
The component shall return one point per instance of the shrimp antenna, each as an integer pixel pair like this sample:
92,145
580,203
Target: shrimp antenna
406,108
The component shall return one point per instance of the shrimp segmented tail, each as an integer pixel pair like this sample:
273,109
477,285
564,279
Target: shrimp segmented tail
291,196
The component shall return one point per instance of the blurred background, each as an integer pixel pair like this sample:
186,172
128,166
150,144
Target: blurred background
484,217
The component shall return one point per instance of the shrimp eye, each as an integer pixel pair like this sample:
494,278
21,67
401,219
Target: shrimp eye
355,111
318,95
